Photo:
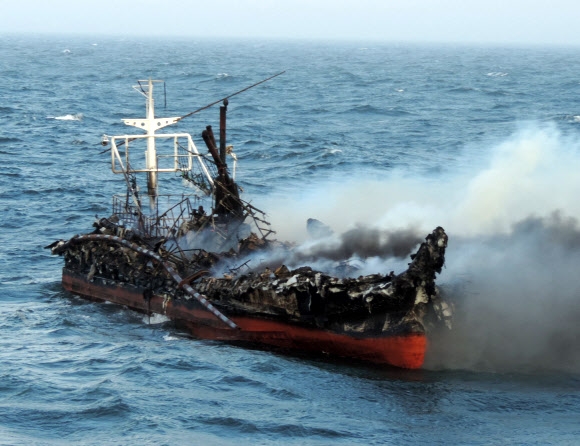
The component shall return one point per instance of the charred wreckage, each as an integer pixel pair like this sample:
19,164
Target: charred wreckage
192,257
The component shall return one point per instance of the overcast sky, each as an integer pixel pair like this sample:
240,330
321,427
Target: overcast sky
464,21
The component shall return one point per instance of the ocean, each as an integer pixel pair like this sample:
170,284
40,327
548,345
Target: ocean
483,141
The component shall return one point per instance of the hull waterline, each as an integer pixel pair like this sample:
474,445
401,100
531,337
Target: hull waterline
401,350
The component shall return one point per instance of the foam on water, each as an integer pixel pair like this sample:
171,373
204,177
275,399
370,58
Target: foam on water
76,117
156,319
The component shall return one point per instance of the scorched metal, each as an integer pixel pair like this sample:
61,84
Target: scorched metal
192,257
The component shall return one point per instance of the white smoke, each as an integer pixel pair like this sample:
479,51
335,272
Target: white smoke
512,256
532,173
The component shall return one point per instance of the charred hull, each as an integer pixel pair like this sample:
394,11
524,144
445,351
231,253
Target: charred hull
193,257
406,350
377,318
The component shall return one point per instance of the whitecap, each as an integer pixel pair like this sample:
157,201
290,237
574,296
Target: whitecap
76,117
170,338
67,51
576,118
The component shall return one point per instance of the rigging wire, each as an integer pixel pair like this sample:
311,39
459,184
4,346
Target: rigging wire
208,105
231,95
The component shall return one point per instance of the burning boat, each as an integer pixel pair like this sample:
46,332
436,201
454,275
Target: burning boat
192,257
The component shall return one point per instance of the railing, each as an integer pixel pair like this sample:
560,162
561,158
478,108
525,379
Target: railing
180,158
170,214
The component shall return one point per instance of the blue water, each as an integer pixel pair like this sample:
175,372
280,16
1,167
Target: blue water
483,141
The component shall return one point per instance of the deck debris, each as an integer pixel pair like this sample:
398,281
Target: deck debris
313,298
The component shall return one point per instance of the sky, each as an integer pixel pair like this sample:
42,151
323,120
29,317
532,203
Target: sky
531,22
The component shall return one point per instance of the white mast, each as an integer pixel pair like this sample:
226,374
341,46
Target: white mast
150,125
171,160
151,154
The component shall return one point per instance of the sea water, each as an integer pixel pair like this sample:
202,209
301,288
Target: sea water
484,141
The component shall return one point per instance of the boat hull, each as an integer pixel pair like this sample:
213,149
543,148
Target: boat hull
401,350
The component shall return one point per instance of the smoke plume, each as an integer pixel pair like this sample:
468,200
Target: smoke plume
514,246
517,300
362,241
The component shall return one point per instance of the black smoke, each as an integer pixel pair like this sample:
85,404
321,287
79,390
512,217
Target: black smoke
364,242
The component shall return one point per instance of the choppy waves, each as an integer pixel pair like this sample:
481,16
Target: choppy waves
402,121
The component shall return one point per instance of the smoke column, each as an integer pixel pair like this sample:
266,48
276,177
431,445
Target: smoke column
513,262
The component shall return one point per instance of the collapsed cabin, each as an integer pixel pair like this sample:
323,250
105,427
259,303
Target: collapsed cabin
368,303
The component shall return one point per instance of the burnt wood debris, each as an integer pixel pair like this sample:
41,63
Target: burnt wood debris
209,260
375,303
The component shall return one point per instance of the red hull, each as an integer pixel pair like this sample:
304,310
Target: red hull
406,351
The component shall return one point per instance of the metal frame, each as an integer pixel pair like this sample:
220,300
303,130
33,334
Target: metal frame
117,165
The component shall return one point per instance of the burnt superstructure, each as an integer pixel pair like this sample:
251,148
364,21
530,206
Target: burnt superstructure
193,257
